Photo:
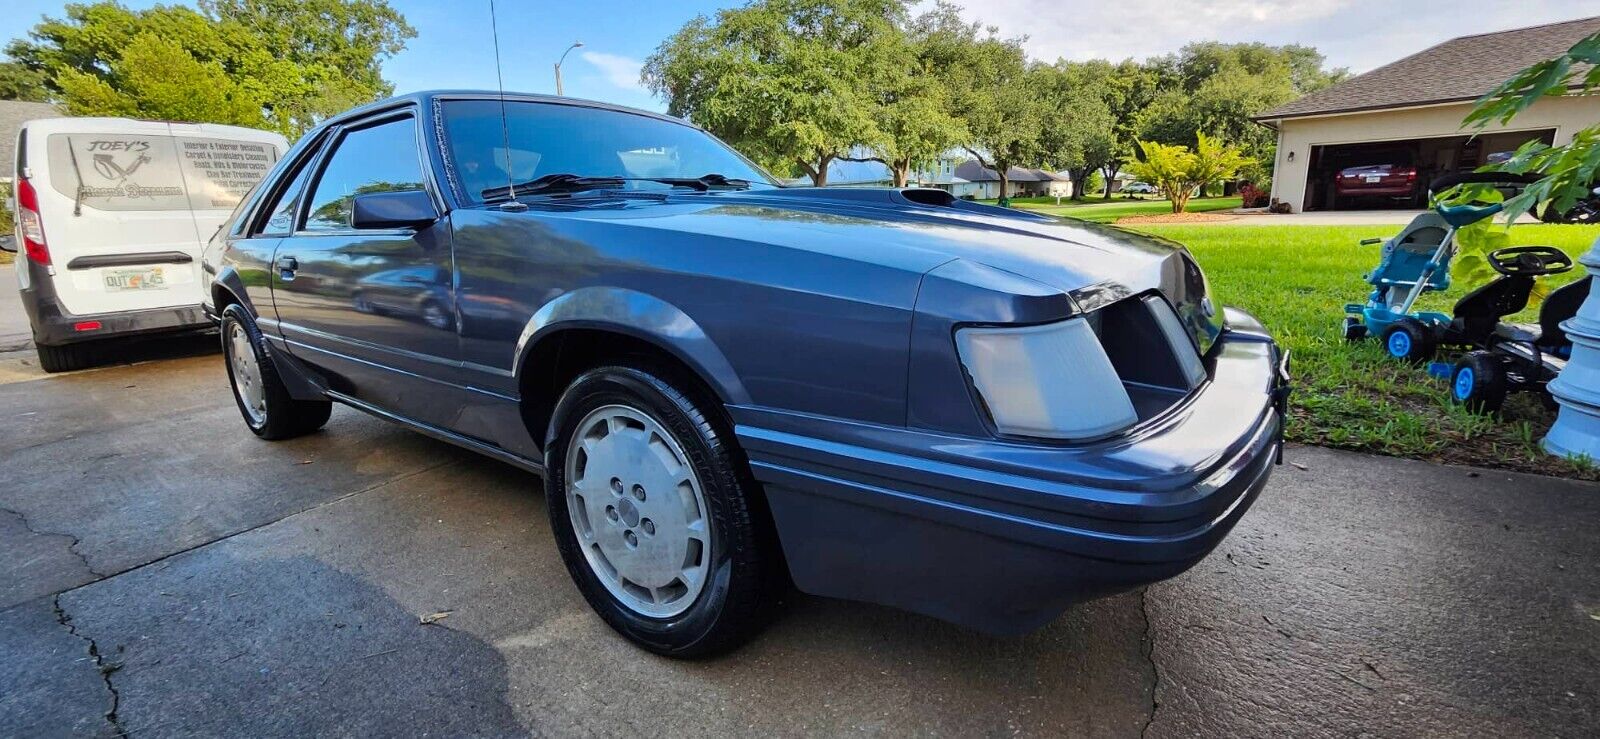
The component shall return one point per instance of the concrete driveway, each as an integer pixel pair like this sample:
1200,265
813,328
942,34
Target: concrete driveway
167,574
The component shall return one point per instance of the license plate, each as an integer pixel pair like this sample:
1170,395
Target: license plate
120,280
1373,178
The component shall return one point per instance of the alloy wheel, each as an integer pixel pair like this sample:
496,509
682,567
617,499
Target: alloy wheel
638,511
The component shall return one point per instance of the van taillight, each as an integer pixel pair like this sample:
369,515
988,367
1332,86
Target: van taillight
29,225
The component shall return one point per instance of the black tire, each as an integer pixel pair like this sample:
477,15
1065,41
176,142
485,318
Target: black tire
740,585
67,357
1478,382
1354,329
1415,345
284,416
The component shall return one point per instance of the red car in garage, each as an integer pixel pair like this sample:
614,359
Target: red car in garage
1374,181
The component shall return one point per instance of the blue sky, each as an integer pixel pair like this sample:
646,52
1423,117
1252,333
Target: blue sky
453,47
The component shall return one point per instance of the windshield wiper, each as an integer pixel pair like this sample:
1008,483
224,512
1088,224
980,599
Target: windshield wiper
551,183
565,183
703,182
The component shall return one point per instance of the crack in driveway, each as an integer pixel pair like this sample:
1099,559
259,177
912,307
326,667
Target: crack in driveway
1149,645
105,670
72,540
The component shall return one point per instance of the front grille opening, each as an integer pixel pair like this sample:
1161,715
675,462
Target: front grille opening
1145,356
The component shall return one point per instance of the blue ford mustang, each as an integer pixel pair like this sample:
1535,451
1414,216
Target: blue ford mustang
888,395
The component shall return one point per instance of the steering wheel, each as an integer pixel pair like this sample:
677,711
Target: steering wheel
1529,261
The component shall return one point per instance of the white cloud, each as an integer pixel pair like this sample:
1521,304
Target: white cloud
619,70
1360,34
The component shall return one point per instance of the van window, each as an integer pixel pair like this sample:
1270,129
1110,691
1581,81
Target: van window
146,172
382,158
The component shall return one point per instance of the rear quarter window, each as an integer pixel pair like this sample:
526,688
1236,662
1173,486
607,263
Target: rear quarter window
119,172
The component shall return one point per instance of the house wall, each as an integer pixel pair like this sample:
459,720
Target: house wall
1296,136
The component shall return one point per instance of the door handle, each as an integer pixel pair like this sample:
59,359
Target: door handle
287,266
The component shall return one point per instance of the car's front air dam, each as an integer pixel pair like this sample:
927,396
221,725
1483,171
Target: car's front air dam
1000,536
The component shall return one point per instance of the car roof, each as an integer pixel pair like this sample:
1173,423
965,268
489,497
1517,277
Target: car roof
427,97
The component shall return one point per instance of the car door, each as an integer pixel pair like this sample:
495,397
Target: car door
372,309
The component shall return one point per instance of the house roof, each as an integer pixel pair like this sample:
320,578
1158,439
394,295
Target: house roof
13,113
1457,70
972,171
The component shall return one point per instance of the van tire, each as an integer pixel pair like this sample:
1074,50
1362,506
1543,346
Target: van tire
67,357
283,417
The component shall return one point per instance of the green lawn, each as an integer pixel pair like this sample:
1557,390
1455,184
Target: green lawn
1296,279
1101,211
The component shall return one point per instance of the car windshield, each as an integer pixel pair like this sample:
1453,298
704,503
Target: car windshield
555,139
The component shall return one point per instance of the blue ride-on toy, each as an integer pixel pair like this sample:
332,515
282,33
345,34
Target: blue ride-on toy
1501,358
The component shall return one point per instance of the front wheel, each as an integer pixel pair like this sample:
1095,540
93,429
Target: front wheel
1408,339
268,409
656,518
1479,383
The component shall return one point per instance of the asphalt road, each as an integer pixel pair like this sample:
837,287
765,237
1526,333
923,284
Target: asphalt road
166,574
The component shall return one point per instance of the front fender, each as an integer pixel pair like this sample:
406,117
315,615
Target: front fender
641,316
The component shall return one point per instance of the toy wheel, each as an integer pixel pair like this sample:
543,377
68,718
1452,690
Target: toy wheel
1478,383
1354,329
1408,339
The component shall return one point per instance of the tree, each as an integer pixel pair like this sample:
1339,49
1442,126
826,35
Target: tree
20,83
1215,89
1178,172
789,82
911,100
1077,133
990,90
273,63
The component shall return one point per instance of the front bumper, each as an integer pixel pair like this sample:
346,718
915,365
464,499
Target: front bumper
1002,536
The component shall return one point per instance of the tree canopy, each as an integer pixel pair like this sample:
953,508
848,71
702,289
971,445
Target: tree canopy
279,64
798,84
790,83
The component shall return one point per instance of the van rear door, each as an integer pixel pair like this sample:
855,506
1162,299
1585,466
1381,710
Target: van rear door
124,204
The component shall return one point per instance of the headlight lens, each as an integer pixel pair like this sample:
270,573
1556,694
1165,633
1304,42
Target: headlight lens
1052,381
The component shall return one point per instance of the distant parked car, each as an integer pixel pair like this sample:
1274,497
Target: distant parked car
1371,182
896,396
1139,188
112,214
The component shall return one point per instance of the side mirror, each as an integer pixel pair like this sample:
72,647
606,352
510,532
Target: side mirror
401,209
8,243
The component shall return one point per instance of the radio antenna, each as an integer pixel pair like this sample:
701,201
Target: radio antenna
505,127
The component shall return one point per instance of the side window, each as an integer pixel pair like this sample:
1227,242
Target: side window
382,158
281,220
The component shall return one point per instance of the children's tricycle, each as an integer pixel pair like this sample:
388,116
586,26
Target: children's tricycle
1501,358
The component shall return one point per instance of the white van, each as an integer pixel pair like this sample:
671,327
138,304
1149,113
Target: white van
111,216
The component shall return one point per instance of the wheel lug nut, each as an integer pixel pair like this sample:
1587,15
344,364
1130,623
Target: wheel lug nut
616,486
632,539
648,526
638,492
611,513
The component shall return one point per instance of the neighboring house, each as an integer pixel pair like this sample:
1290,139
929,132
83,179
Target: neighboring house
983,183
1408,113
13,113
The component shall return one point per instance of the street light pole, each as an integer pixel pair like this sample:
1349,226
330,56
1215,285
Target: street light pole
564,54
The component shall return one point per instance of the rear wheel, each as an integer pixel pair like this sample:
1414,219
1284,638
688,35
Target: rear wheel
654,514
268,409
1478,382
1410,340
1354,329
67,357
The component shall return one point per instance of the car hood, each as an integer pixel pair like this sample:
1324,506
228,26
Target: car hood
921,230
892,227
